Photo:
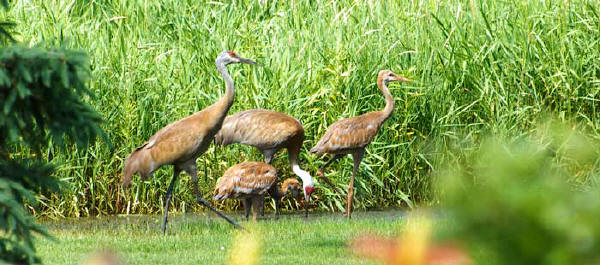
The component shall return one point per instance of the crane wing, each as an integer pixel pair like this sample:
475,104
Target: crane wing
348,134
264,129
246,178
183,139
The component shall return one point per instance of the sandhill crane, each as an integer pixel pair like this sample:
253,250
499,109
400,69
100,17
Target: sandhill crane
250,181
269,131
352,135
181,142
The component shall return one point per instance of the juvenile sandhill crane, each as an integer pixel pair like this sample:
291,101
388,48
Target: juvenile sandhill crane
250,181
269,131
352,135
181,142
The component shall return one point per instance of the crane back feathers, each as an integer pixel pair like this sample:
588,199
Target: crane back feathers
263,129
248,178
349,134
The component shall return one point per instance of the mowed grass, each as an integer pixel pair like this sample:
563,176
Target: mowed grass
201,239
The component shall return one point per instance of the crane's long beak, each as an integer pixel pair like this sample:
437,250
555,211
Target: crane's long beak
307,192
402,79
248,61
306,205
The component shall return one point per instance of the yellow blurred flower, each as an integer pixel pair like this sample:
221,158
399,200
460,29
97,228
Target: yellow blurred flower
245,247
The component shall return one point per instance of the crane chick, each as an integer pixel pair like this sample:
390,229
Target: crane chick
251,181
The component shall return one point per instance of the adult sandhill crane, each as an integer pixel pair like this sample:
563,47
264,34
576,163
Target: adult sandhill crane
352,135
181,142
269,131
250,181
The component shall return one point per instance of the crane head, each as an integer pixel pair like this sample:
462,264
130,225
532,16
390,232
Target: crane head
308,187
292,186
229,57
389,76
307,184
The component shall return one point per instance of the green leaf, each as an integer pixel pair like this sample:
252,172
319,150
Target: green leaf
10,100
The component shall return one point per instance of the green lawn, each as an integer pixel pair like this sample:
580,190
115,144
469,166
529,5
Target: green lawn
205,239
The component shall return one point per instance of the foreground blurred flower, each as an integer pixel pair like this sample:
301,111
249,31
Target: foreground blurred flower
104,257
245,248
413,247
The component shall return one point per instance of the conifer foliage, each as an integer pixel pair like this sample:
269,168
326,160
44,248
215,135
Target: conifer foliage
41,101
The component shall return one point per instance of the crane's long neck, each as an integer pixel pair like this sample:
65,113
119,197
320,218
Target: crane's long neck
226,101
389,100
305,176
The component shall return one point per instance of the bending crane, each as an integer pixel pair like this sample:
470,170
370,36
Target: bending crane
269,131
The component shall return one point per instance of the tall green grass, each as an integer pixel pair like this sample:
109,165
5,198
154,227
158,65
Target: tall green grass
479,67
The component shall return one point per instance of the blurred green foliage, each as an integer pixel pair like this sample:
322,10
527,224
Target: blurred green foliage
42,97
41,93
519,201
20,181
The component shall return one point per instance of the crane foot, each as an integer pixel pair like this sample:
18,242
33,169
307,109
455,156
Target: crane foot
220,214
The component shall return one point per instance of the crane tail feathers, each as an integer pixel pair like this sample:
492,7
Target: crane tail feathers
128,172
131,167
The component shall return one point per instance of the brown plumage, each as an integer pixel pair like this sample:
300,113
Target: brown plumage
269,131
352,135
181,142
251,181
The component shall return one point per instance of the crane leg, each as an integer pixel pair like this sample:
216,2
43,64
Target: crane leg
262,210
191,169
326,179
357,158
306,205
277,207
268,153
256,204
247,206
176,172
